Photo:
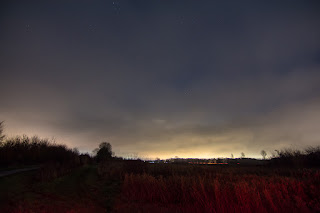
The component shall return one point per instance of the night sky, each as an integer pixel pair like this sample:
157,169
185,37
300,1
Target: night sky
160,78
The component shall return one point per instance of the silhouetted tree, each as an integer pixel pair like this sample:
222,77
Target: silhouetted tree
76,151
231,155
264,154
1,131
105,152
243,155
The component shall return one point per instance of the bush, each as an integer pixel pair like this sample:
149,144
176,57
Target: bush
26,150
310,157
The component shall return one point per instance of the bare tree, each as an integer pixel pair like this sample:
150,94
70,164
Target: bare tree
1,131
243,155
264,154
231,155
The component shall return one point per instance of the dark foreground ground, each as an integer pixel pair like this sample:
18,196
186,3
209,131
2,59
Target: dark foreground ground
79,191
139,187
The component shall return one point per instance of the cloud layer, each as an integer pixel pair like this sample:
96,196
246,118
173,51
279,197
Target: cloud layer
163,79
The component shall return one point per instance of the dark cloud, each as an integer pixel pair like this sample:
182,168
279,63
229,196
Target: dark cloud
162,79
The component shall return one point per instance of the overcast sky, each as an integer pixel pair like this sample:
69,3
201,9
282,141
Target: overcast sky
159,78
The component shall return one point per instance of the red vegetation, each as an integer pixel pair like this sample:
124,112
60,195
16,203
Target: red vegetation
220,192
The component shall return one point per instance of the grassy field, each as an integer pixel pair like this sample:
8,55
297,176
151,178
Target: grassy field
213,189
80,191
129,186
67,181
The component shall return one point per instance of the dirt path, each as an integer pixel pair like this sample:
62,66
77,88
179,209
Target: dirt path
10,172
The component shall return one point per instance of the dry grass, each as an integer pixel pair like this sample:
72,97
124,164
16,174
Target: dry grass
227,191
